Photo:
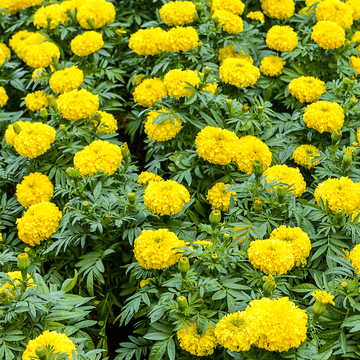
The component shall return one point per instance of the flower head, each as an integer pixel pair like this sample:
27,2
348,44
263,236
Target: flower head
148,41
181,39
336,11
86,43
304,155
238,72
149,91
55,12
176,80
281,38
66,80
3,97
39,56
256,15
278,9
36,100
100,12
323,297
146,177
328,35
5,53
355,258
272,65
229,51
176,13
106,122
307,88
15,276
234,6
218,197
164,131
230,22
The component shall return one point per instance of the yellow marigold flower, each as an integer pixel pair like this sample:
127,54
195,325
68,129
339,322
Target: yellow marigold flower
216,145
235,6
41,55
34,188
3,97
323,297
278,9
148,42
66,80
304,155
33,140
229,51
5,53
14,6
163,131
281,38
100,12
155,249
165,197
15,277
175,82
282,323
98,155
237,331
16,40
55,12
181,39
108,123
287,175
23,41
230,22
355,258
256,15
176,13
355,63
324,116
272,65
86,43
218,197
251,148
192,341
238,72
355,7
77,104
146,177
36,100
335,11
59,342
307,88
150,91
356,38
328,35
38,223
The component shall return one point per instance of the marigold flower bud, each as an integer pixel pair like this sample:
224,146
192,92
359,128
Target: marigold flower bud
200,44
258,206
281,191
339,215
261,109
182,303
198,6
269,285
347,159
226,237
125,150
257,167
23,262
29,251
17,128
74,173
336,136
207,70
51,102
347,81
132,198
208,3
245,107
215,218
214,257
62,127
319,308
353,101
41,352
43,113
183,265
85,204
344,284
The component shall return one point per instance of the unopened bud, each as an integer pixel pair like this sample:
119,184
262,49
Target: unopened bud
55,61
215,218
347,81
214,257
41,352
226,237
182,303
258,206
215,20
125,150
62,127
23,262
198,6
347,159
281,191
17,128
229,102
207,70
319,308
73,173
90,22
85,204
245,107
339,215
132,198
257,167
261,109
353,101
344,284
200,44
208,3
100,172
269,285
51,101
29,251
336,136
184,265
43,113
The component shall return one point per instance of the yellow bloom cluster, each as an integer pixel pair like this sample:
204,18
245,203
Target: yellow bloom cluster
216,145
355,258
281,38
77,104
98,155
238,72
163,131
14,6
22,40
41,55
307,88
192,341
15,277
108,123
149,91
100,12
166,197
324,116
36,100
86,43
181,39
66,80
3,97
176,13
355,63
272,65
256,15
5,53
229,51
328,35
304,155
235,6
323,297
38,223
34,188
148,41
251,148
146,177
287,175
355,7
175,82
297,239
335,11
218,198
278,9
58,341
55,12
155,249
33,140
230,22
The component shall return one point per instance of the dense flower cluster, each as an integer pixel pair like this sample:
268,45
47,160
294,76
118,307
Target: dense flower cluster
238,72
355,7
147,177
218,197
304,155
175,82
86,43
149,91
335,11
36,100
230,22
278,9
323,297
355,258
281,38
166,130
99,12
257,16
229,51
3,97
307,88
55,12
105,122
176,13
41,55
181,39
155,249
66,80
328,35
235,6
148,41
272,65
22,40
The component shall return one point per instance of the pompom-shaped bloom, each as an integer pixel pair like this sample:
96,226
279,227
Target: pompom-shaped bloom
177,13
148,41
355,7
229,51
251,148
355,258
36,100
14,6
55,12
282,323
278,9
3,97
149,91
59,342
86,43
34,188
106,122
238,72
33,140
99,155
256,15
324,116
15,277
155,249
281,38
298,239
323,297
77,104
335,11
235,6
146,178
287,175
181,39
66,80
166,130
23,40
100,13
5,53
166,197
307,88
41,55
328,35
218,197
38,223
230,22
216,145
272,65
175,82
304,155
192,341
237,331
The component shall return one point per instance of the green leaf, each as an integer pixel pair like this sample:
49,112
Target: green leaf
158,350
68,284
